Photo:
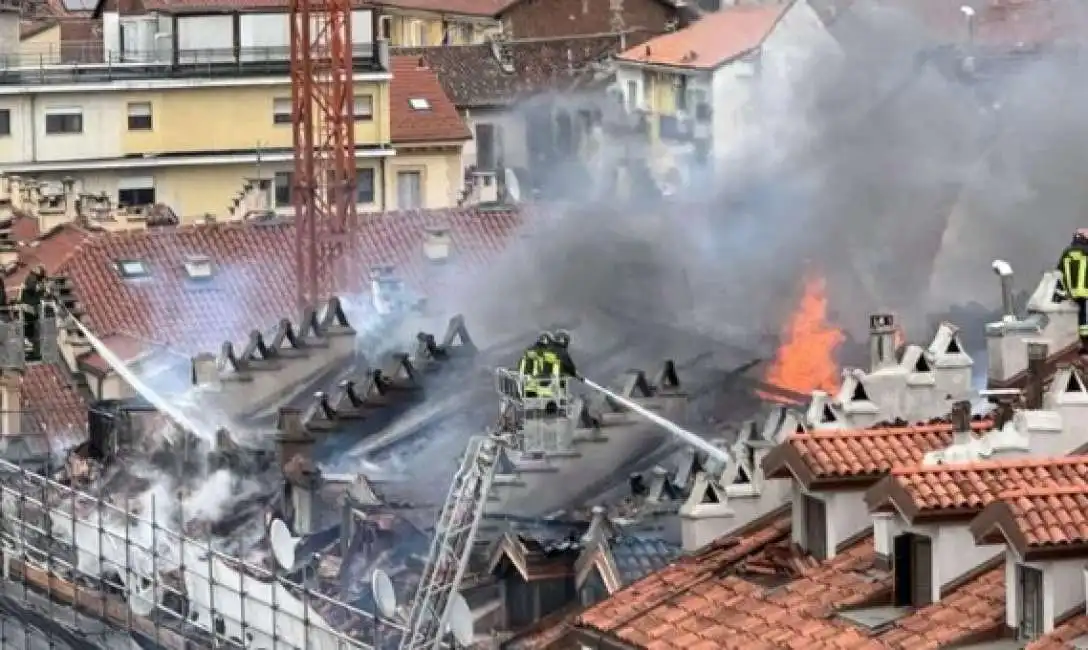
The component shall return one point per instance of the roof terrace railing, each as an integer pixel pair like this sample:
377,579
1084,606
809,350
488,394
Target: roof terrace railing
76,62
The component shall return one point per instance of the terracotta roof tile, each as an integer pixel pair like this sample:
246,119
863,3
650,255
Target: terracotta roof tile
472,76
1043,516
866,452
717,38
127,348
52,406
1062,635
705,608
439,121
463,7
254,282
50,250
970,487
975,608
24,228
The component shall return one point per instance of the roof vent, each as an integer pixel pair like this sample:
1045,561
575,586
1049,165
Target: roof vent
199,267
437,244
132,269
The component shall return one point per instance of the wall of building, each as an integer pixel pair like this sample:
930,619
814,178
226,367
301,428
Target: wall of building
443,176
551,18
183,120
43,47
103,118
955,553
514,138
415,29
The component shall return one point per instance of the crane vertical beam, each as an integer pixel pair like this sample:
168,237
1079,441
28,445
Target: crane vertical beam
322,115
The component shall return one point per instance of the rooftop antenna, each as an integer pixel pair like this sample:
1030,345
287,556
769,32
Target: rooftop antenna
384,596
617,22
460,622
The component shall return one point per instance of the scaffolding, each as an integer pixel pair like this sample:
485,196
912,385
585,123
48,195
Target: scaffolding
94,571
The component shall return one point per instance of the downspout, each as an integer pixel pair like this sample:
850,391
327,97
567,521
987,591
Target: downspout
384,185
33,127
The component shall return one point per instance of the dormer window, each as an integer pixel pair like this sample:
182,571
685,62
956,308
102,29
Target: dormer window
130,269
199,267
419,104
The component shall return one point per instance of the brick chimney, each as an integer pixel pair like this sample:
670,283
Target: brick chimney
1033,392
961,422
881,342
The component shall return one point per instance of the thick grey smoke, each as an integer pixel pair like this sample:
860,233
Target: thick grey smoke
880,164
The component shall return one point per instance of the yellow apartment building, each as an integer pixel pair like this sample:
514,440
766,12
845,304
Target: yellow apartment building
194,112
419,23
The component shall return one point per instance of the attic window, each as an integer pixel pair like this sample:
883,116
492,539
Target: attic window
922,365
419,104
954,347
199,267
859,393
132,269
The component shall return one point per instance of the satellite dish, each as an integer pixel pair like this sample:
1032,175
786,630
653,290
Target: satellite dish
460,621
384,596
513,187
283,544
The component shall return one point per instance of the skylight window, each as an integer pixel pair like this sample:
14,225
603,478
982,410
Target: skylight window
199,267
419,104
132,269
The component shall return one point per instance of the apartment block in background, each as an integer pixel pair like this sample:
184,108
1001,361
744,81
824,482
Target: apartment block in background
188,106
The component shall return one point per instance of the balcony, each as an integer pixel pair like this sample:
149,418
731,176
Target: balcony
87,62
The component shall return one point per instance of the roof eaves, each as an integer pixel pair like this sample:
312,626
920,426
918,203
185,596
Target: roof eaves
786,461
996,524
889,494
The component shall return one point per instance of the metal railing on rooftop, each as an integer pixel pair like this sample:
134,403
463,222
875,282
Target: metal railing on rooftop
89,61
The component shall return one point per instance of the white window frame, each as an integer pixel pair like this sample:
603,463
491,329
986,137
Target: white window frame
71,111
140,110
385,27
278,114
6,113
416,33
422,189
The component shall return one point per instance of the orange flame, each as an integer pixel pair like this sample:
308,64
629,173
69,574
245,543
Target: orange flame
806,359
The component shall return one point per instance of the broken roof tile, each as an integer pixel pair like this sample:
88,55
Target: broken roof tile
857,454
438,121
961,490
254,282
717,38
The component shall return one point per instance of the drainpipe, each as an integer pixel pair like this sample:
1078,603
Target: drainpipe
384,185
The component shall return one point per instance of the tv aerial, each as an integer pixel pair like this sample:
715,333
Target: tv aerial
385,598
460,622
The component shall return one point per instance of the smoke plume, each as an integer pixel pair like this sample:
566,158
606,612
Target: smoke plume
880,162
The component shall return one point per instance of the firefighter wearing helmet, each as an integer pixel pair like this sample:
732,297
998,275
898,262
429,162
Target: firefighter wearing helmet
561,354
1073,266
534,367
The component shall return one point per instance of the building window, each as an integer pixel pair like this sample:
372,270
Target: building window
416,34
912,584
632,95
363,107
488,146
5,121
385,27
419,104
681,84
364,185
136,191
281,110
1029,595
282,189
63,121
139,116
132,269
409,190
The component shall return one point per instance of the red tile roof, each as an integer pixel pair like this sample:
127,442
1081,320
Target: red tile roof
1062,635
51,250
24,228
974,610
1037,518
463,7
697,603
439,122
52,406
958,490
127,348
716,39
857,454
254,282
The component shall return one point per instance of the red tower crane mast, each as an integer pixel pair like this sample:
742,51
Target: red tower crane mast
322,114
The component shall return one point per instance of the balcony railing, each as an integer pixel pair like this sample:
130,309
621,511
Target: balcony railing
88,62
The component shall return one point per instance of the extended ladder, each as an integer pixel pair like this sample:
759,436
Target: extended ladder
454,536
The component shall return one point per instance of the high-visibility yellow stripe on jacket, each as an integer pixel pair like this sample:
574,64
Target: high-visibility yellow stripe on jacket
1075,274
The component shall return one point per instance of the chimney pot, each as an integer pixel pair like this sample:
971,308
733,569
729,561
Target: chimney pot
961,416
881,341
1037,354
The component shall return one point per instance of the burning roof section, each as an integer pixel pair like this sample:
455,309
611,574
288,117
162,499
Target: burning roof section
141,283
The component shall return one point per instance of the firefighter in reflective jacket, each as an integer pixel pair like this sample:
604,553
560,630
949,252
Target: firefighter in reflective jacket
534,367
1074,269
561,354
